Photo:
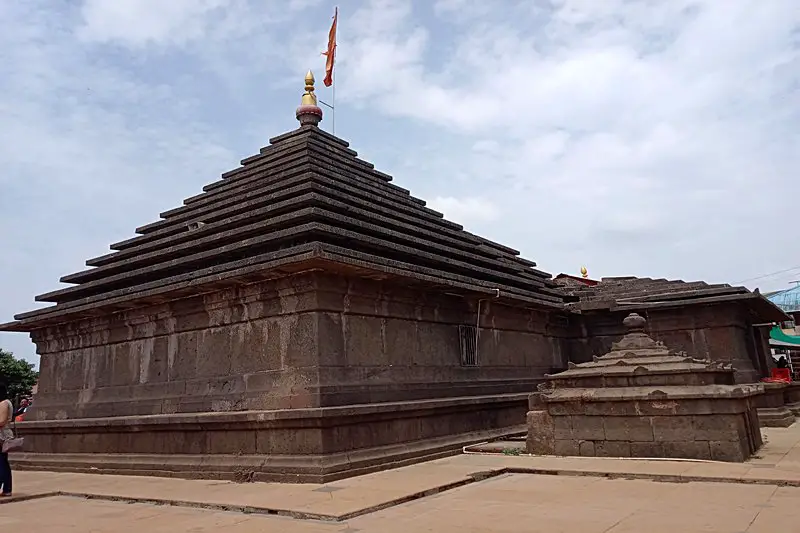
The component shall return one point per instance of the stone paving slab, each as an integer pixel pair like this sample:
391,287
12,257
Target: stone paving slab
331,501
501,479
67,515
777,462
514,503
529,503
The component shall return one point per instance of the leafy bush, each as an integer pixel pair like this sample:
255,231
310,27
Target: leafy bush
17,374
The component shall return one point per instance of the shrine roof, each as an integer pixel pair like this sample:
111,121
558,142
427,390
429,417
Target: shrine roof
640,293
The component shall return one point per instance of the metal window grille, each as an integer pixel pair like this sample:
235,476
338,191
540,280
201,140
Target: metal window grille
469,346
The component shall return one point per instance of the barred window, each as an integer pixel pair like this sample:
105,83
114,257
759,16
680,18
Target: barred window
469,346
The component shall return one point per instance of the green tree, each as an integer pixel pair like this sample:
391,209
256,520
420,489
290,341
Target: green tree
17,374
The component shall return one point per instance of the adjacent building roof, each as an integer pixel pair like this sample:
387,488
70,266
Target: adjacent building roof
568,280
788,300
305,201
639,293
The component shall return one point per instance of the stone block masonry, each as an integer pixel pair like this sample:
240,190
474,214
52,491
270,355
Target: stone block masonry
714,437
310,340
773,408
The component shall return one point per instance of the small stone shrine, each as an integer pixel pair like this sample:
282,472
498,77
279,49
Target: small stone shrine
642,400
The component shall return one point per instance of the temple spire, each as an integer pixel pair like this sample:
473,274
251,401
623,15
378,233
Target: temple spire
308,113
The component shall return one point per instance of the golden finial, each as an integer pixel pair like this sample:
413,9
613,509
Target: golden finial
584,272
309,113
309,98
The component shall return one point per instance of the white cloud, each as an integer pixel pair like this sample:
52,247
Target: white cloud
142,22
636,129
486,146
90,152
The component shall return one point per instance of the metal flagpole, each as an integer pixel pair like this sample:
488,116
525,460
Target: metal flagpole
333,96
333,75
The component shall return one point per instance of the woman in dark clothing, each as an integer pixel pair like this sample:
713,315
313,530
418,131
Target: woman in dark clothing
6,417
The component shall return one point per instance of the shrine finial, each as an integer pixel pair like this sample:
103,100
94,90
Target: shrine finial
309,113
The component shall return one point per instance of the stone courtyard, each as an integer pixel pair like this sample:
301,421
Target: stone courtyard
465,493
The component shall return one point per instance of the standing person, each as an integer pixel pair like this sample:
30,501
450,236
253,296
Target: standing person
19,415
6,416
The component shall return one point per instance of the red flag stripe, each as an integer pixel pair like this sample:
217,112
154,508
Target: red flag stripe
330,53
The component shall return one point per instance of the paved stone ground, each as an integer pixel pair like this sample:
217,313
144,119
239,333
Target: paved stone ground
510,494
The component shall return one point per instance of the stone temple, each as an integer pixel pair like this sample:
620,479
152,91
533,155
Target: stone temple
305,319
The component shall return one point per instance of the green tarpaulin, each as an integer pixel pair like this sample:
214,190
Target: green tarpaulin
777,334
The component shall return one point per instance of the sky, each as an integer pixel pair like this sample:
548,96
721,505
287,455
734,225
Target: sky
654,138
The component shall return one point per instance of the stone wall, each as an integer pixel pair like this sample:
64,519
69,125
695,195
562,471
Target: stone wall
720,429
719,332
718,437
246,348
381,342
305,341
290,445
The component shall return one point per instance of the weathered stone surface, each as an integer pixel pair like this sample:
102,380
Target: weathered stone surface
726,451
586,448
541,433
373,436
562,427
647,449
281,353
687,450
773,396
772,408
718,427
776,417
587,427
672,428
629,429
792,393
567,447
535,402
613,448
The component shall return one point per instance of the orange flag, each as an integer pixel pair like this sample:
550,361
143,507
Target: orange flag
330,53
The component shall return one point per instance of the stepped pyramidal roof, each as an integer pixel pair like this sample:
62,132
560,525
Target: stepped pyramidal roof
304,202
643,293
